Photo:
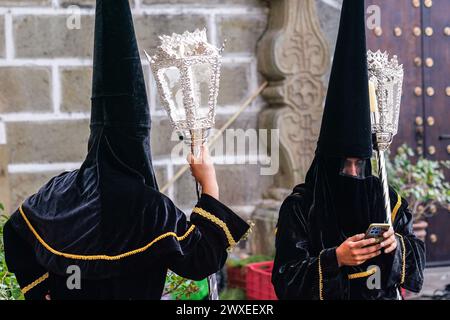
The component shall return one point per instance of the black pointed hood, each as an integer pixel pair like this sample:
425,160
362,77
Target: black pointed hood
346,130
343,205
102,209
118,88
119,99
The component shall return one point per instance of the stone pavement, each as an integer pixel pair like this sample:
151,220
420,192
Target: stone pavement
435,279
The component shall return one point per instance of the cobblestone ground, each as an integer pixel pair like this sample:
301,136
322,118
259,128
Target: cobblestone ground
435,279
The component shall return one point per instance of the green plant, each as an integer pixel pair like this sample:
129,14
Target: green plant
421,182
179,288
232,294
9,288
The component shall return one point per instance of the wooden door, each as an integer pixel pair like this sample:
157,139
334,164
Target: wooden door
417,31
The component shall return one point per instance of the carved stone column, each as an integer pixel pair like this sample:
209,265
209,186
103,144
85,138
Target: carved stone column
293,56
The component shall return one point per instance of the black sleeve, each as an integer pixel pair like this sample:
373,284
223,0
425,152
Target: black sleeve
297,273
212,229
20,259
409,258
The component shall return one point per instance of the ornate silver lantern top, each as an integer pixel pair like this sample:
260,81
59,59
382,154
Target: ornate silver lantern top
187,72
385,84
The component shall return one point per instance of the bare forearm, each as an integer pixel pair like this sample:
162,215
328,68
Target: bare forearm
211,189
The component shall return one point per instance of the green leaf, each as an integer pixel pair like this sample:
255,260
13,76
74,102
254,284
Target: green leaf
420,181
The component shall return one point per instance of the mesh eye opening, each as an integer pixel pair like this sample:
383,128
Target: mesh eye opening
353,168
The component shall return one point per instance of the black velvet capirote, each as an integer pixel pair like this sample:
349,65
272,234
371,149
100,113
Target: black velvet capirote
101,208
120,110
108,217
346,130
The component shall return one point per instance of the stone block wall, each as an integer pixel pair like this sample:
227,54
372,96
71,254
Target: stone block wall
45,83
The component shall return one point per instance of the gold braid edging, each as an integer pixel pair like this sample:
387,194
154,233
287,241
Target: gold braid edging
320,277
396,208
402,281
102,256
350,276
35,283
217,221
362,274
249,231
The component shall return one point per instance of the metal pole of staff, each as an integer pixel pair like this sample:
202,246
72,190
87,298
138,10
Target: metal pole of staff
384,182
213,291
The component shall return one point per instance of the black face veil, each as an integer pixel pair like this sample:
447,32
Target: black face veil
344,205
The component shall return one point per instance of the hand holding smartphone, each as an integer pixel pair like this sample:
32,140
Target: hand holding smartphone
376,230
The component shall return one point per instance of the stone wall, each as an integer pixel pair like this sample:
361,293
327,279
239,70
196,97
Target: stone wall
45,83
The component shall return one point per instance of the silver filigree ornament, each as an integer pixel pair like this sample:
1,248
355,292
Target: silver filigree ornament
186,69
387,77
385,89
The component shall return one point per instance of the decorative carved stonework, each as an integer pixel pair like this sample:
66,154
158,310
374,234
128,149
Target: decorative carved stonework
293,56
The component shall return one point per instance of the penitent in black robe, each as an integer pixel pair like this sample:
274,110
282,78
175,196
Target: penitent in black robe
333,204
298,273
107,219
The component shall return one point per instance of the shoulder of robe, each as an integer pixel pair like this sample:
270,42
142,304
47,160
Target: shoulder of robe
399,206
156,199
396,199
294,203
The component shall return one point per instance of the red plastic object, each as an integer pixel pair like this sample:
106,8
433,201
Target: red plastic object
236,277
403,293
259,285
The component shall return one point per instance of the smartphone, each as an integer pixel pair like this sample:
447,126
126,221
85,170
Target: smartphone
376,231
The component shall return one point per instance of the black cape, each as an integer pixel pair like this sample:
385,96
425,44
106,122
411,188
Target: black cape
108,218
193,249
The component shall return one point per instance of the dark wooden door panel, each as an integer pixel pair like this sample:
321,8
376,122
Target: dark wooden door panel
417,31
436,68
396,36
436,53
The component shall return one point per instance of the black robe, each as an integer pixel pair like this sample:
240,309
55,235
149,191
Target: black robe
296,270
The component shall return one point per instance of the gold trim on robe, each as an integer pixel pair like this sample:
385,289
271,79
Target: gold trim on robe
102,256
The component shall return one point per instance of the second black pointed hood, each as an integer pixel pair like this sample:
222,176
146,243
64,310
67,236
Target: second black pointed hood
343,204
346,130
